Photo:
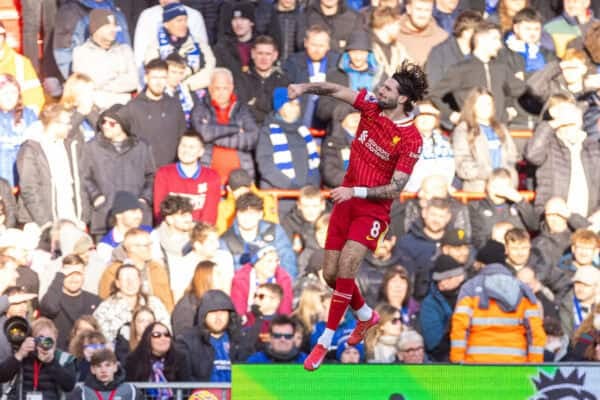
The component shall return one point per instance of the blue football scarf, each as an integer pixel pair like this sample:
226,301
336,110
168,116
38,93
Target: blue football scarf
282,156
193,58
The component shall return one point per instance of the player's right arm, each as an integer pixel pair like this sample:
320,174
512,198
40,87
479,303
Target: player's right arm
334,90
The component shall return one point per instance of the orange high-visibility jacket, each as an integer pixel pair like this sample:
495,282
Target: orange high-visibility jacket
497,319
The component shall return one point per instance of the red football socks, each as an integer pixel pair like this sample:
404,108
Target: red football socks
342,295
357,300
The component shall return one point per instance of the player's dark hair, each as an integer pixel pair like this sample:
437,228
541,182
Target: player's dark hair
412,83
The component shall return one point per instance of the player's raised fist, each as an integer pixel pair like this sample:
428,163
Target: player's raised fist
295,90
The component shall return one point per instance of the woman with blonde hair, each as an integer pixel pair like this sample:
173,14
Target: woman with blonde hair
380,342
481,143
185,309
310,310
78,98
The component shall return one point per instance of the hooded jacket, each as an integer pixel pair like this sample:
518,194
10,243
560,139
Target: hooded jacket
195,342
106,170
497,319
92,386
434,320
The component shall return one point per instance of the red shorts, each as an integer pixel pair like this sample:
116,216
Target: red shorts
360,220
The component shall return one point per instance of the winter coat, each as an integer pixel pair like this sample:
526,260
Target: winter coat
268,234
175,371
10,204
294,224
553,161
370,276
209,10
183,316
296,65
470,73
227,56
243,287
38,191
58,307
160,123
195,342
257,92
484,215
156,275
241,133
271,177
417,254
460,215
92,386
591,117
473,163
72,29
263,10
105,171
552,246
441,59
418,42
292,28
55,378
434,319
497,319
335,153
113,71
341,24
11,138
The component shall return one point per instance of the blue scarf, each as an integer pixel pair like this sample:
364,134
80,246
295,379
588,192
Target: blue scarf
311,106
534,59
494,145
187,103
194,58
491,6
282,156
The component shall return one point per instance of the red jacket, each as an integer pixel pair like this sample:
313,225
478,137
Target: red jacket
240,287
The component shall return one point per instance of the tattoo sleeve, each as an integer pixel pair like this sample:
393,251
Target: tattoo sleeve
321,89
390,191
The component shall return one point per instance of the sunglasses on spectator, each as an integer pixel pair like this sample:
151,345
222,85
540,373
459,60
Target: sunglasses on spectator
160,334
112,124
286,336
413,349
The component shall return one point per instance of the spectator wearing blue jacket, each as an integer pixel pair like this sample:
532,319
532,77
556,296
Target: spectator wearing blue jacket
436,309
282,347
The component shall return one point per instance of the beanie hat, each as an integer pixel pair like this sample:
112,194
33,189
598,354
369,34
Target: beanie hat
172,11
359,40
446,267
492,252
243,9
342,345
100,17
454,237
125,201
280,97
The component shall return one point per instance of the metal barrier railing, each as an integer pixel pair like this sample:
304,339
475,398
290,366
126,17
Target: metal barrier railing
183,390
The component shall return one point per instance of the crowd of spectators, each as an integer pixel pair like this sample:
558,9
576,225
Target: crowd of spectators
139,236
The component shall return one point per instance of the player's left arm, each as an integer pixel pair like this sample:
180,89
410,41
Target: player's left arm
389,191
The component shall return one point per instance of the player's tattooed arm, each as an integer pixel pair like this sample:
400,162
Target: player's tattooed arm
322,89
390,191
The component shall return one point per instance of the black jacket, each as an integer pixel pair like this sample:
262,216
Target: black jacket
450,93
341,24
241,133
227,55
210,12
105,171
55,305
257,92
296,67
55,377
292,27
195,342
91,385
484,215
160,123
184,314
441,59
552,246
370,276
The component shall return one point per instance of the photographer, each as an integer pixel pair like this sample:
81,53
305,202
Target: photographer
14,302
45,369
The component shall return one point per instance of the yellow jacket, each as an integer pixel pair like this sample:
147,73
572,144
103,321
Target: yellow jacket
226,211
20,67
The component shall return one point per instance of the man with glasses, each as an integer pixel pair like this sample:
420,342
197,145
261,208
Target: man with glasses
410,348
267,300
281,347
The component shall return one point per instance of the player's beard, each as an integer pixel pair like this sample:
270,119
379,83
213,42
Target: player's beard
387,105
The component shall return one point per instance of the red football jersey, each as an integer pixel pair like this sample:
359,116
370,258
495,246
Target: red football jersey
380,146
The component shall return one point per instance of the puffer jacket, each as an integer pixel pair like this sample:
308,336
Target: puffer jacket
552,245
553,161
292,26
434,319
241,133
497,319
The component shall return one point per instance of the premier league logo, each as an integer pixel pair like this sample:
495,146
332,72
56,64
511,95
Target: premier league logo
561,386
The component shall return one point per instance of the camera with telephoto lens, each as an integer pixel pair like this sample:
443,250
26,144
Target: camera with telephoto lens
44,342
16,329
